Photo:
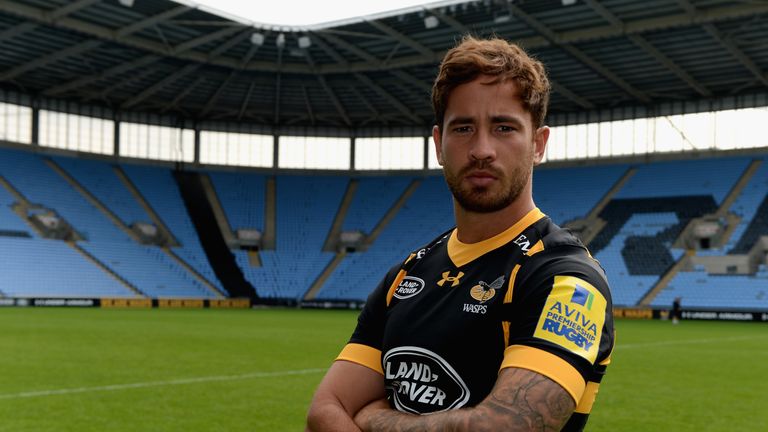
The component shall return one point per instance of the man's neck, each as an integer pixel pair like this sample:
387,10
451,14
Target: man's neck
472,227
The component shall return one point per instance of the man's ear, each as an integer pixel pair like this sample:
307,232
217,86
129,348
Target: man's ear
438,139
540,138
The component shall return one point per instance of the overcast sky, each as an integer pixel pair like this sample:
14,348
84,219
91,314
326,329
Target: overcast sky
303,12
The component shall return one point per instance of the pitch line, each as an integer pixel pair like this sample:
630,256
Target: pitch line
181,381
688,341
221,378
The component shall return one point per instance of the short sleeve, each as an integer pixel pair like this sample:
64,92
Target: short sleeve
364,347
561,322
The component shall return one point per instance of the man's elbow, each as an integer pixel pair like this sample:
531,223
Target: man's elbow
328,415
315,417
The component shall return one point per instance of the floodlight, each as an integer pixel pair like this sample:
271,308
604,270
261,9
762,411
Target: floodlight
126,3
431,22
305,42
257,39
280,42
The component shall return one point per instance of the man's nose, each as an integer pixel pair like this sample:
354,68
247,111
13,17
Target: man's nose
482,147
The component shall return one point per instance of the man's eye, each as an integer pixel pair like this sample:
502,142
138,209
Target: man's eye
506,129
462,129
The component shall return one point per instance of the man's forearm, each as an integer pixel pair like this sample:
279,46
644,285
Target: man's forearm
470,419
524,402
330,417
346,388
482,418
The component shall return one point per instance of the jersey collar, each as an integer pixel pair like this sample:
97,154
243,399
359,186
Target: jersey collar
464,253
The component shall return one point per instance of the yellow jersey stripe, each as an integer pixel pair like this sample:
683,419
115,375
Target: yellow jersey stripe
362,355
538,247
588,399
508,299
392,288
547,364
505,330
510,288
464,253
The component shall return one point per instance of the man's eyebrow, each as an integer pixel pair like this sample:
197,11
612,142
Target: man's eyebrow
460,120
500,118
506,119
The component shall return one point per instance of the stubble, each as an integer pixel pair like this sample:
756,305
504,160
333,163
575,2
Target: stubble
489,199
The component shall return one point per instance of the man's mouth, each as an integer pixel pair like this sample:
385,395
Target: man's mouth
480,178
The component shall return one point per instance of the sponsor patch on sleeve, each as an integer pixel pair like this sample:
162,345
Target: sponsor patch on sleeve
573,317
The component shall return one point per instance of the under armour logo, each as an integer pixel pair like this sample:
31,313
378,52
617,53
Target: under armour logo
454,280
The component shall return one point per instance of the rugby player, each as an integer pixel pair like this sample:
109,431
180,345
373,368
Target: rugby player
502,323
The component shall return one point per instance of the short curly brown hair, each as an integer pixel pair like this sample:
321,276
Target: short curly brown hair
473,57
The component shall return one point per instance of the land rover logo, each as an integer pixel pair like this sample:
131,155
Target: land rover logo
420,381
409,287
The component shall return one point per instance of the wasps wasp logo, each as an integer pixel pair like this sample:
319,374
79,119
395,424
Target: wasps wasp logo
483,291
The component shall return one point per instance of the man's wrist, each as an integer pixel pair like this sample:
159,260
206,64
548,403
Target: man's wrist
373,414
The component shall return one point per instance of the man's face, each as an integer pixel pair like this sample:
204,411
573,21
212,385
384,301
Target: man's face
487,145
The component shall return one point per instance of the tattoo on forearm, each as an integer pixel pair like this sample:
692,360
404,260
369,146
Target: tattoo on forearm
532,401
521,401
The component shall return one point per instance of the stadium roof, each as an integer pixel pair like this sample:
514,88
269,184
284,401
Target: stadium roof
162,57
309,13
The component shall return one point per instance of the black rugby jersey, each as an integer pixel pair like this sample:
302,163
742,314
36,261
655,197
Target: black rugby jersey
441,325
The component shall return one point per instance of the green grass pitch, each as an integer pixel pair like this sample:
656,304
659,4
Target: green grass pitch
255,370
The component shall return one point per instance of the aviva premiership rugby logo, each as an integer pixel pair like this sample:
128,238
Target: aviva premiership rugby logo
573,316
483,291
582,296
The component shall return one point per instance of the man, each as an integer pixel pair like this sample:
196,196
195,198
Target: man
677,310
503,323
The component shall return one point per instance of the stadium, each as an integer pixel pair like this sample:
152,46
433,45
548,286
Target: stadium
194,206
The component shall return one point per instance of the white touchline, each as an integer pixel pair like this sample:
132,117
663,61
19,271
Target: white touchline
113,387
41,393
688,341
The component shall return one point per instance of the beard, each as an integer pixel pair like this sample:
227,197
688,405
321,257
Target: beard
488,199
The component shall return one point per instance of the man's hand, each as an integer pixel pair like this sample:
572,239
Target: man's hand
346,388
521,400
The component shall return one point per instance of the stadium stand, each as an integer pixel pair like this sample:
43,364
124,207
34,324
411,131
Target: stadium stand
426,214
306,207
649,213
146,268
99,178
59,271
242,196
642,221
685,178
158,187
632,271
752,207
29,174
374,196
698,289
10,223
748,291
566,194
